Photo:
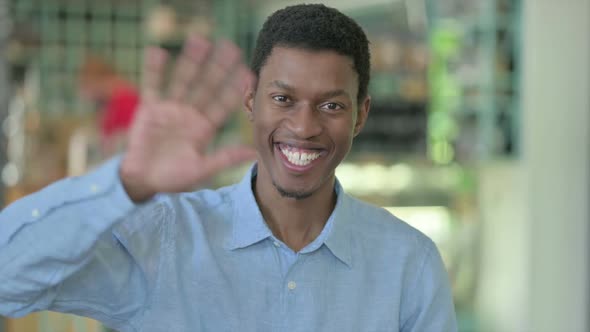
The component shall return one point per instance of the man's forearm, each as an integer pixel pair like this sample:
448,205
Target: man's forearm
49,235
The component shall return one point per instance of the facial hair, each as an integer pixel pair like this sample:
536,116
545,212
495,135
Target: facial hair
297,195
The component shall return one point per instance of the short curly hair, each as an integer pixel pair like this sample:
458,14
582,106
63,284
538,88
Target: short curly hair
315,27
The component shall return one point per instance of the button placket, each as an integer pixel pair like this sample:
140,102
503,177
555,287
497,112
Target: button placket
292,290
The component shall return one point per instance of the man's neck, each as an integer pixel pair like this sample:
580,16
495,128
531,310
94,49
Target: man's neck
296,222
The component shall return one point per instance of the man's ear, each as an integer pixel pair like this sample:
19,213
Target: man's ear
248,100
362,114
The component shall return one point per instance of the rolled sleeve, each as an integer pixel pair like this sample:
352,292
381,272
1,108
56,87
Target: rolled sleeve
49,235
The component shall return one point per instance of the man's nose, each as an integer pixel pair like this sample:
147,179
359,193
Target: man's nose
305,122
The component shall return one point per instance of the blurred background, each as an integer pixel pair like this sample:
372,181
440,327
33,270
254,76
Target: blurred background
479,132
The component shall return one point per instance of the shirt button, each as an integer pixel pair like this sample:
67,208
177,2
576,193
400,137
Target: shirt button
94,188
35,213
277,244
291,285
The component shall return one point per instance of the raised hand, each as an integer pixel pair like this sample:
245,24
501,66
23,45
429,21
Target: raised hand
173,127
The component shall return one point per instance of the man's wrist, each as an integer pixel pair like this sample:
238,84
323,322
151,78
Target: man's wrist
135,189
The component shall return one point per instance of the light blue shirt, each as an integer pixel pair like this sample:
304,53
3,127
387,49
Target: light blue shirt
206,261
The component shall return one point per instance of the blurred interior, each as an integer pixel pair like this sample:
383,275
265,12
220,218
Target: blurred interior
479,131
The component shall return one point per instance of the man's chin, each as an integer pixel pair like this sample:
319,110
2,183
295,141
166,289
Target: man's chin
294,194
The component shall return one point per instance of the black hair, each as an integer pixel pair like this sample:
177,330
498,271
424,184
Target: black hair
315,27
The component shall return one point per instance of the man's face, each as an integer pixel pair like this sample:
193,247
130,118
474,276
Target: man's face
305,114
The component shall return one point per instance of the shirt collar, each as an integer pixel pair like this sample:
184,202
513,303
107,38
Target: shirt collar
249,226
339,240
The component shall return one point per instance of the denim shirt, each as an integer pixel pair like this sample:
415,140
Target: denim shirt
207,261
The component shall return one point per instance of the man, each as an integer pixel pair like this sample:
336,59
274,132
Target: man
286,249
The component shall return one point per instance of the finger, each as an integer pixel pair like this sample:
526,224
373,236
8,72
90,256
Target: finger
225,57
188,66
153,71
230,96
226,158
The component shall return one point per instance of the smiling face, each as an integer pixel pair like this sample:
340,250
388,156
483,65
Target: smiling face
305,114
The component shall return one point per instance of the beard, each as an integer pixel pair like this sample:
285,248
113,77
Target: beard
297,195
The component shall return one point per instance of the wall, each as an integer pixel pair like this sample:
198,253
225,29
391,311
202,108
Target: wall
556,123
503,285
535,271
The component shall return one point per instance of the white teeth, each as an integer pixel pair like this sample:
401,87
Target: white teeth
299,158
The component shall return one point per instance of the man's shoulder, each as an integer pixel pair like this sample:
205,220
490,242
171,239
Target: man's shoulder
375,223
167,209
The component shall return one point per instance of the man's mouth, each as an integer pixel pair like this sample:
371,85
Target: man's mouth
298,156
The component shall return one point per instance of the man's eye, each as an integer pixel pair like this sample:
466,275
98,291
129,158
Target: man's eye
332,106
281,99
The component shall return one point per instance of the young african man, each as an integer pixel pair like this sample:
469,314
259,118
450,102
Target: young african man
285,249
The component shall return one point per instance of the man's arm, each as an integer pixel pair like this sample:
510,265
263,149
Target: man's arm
428,303
47,237
57,248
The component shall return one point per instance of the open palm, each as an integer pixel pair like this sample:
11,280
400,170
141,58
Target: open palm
169,139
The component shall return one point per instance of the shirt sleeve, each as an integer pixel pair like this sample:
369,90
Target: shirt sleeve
428,305
57,251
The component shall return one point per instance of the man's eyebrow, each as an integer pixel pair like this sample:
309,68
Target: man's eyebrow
336,93
280,85
328,94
